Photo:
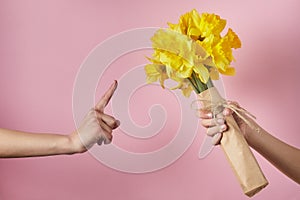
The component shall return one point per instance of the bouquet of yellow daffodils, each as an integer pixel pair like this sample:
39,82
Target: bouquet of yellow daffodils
193,53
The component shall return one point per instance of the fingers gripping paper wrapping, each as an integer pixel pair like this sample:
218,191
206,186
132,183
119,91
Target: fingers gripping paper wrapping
236,149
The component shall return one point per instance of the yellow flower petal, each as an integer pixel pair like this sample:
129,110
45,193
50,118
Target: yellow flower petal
202,72
185,86
229,71
192,46
232,38
214,73
178,52
211,24
155,72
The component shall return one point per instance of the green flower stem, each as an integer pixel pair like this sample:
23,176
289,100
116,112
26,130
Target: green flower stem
209,83
194,85
198,85
201,86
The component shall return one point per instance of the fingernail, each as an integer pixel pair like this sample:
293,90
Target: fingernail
100,141
216,139
209,115
115,83
118,122
107,141
223,127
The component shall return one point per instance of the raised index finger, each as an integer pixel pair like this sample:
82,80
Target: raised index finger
106,97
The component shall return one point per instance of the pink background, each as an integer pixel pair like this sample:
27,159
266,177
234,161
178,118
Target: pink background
42,45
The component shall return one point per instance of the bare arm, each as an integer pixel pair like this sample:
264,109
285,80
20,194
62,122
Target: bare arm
283,156
23,144
96,128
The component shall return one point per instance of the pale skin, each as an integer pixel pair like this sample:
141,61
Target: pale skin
283,156
96,127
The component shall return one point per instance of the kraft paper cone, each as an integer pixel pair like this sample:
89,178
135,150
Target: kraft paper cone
236,149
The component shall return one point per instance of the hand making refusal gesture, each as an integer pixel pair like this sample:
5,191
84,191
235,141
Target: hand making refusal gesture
96,127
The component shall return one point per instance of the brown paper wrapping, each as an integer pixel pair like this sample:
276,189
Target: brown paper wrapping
236,149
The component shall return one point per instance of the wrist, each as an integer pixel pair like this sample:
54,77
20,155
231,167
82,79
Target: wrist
74,144
61,144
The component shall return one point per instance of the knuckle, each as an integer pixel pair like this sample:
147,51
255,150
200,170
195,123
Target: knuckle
203,123
108,135
209,132
91,112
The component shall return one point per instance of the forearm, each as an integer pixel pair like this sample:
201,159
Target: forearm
283,156
21,144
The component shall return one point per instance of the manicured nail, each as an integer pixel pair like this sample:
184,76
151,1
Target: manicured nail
107,141
209,115
114,84
223,127
216,139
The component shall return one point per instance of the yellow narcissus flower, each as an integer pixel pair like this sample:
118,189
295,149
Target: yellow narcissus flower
183,83
159,72
156,72
222,52
192,52
206,30
199,27
185,87
181,53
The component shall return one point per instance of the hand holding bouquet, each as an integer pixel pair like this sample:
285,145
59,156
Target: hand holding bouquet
193,53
